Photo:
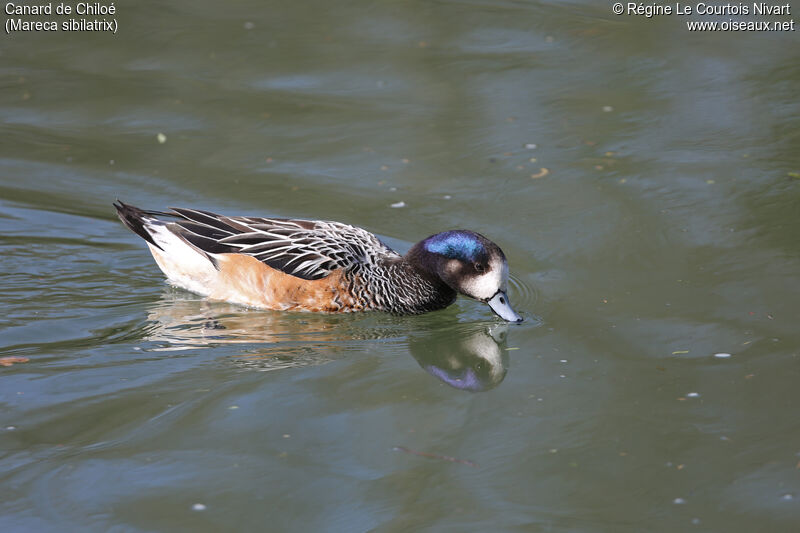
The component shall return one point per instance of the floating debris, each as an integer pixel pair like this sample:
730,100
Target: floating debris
542,173
398,204
722,355
530,146
161,138
678,501
8,361
434,456
249,25
199,507
607,109
679,352
693,395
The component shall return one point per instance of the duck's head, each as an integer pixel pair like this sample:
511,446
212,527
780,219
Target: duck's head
472,265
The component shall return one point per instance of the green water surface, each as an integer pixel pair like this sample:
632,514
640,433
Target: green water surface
643,181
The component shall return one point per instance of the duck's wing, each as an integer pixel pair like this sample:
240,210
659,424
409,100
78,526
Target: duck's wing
307,249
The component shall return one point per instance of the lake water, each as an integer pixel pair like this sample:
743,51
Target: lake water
643,181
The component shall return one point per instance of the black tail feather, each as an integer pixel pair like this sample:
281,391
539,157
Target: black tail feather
133,218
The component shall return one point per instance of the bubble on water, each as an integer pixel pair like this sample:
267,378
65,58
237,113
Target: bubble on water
678,501
787,497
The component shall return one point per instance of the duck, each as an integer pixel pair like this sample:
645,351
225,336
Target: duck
289,264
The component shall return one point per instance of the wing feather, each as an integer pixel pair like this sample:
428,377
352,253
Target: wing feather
303,248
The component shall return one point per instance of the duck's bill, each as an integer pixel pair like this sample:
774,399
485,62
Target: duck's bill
499,304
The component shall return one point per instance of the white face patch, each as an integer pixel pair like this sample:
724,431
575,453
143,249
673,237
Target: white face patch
486,285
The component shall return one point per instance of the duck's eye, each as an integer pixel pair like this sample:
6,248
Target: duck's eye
479,267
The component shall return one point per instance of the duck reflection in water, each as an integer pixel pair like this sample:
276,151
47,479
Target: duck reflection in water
474,361
470,357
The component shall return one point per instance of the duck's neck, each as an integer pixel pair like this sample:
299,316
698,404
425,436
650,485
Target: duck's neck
423,263
415,285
